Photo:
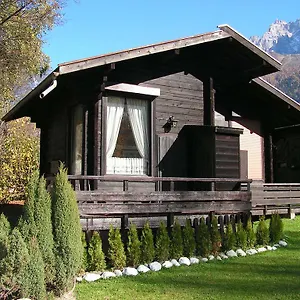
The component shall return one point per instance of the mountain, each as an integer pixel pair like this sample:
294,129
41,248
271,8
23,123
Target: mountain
282,41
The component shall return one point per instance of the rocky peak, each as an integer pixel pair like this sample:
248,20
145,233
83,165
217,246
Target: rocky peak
282,37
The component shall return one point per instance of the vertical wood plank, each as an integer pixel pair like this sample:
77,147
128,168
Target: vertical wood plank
268,153
209,102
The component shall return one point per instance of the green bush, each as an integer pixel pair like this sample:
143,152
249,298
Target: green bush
262,232
148,251
116,252
251,239
84,265
241,236
162,244
66,232
33,282
189,243
176,247
96,257
133,247
4,234
229,242
13,265
203,242
215,236
275,228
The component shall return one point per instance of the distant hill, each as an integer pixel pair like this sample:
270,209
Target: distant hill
282,41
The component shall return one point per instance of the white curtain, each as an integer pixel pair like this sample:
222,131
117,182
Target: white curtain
115,109
138,116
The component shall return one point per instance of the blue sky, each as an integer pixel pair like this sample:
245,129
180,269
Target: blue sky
93,27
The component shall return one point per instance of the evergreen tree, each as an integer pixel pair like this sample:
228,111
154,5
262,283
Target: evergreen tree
133,247
96,257
162,243
33,281
262,232
84,265
241,236
215,236
116,252
229,242
148,250
176,247
189,243
250,233
66,232
275,228
4,234
203,242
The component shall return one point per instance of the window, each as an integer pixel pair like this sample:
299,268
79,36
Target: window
76,140
127,136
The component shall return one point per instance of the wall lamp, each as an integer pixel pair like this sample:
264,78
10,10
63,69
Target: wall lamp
171,123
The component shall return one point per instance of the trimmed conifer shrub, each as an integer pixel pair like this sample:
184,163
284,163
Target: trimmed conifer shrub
176,247
229,241
66,232
84,265
116,252
275,228
4,234
188,237
162,244
215,236
203,242
148,251
262,232
241,236
251,239
133,247
33,281
96,257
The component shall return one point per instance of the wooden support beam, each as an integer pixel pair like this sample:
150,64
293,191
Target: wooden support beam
269,164
208,102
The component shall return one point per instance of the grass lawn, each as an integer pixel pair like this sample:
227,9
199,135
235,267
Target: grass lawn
268,275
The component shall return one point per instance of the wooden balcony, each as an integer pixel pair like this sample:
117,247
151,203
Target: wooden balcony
156,199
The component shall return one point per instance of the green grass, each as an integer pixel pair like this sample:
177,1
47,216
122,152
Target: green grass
269,275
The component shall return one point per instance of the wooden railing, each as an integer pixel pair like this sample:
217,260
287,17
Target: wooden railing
268,198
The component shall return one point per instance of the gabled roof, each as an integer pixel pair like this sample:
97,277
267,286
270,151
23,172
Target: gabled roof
224,55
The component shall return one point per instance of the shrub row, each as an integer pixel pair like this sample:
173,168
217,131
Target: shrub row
185,241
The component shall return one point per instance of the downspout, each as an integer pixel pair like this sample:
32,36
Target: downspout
49,89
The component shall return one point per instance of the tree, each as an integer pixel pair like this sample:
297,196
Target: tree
148,250
133,247
275,228
229,242
189,243
262,232
241,236
215,236
96,258
203,242
162,243
116,252
66,232
176,241
250,233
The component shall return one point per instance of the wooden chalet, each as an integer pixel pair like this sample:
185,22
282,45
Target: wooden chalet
137,130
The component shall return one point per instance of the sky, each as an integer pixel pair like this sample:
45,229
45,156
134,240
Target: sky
94,27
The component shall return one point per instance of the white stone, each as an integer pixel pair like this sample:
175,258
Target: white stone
118,273
194,260
282,243
204,259
167,264
269,248
155,266
175,263
143,269
130,271
277,245
184,261
90,277
223,255
219,257
240,252
251,251
79,278
211,257
107,274
274,248
261,249
231,253
23,299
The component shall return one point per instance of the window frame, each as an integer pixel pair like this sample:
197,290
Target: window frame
151,126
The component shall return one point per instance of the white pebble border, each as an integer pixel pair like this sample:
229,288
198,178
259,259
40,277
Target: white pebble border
183,261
